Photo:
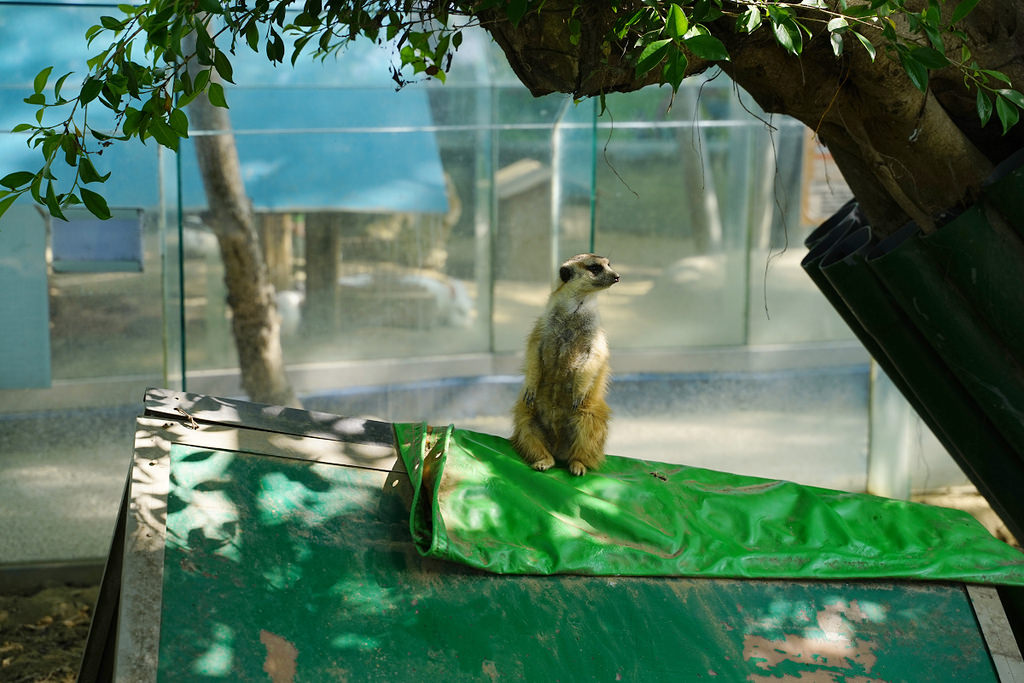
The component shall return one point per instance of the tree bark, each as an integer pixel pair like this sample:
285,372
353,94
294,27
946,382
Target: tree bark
250,295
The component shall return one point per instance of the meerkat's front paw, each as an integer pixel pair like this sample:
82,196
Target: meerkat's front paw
529,396
543,464
577,468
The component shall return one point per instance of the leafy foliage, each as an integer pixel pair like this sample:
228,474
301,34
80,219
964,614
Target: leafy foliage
142,74
663,33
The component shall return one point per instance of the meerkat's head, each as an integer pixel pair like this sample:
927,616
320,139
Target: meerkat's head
588,272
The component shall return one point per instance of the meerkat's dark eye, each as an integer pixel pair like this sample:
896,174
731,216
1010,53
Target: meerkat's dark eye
595,268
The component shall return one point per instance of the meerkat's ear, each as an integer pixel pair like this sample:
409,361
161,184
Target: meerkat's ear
565,272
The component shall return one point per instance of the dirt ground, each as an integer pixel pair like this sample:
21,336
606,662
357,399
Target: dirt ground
42,635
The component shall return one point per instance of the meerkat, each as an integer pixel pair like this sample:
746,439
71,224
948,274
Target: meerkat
561,414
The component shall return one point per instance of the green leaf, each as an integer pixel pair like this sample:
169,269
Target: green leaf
707,47
998,75
867,45
444,41
6,202
211,6
516,10
1007,112
40,80
96,204
930,58
88,173
132,121
676,22
186,100
917,71
675,69
705,10
21,127
216,95
178,122
91,33
36,98
1012,95
252,36
163,134
278,15
51,143
59,84
17,179
836,39
787,36
90,90
52,205
837,24
223,66
622,26
962,9
275,47
575,31
651,55
69,144
201,80
111,23
935,38
34,188
858,11
750,20
984,106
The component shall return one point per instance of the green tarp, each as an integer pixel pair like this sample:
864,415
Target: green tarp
477,503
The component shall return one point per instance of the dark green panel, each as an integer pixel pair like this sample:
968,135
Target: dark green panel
981,257
308,571
909,360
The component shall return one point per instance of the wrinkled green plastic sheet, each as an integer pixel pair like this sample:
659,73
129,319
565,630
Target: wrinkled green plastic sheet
476,502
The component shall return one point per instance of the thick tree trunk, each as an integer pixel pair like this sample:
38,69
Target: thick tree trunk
899,151
254,318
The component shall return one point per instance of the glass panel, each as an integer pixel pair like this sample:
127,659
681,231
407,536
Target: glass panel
807,189
24,308
527,248
106,335
672,215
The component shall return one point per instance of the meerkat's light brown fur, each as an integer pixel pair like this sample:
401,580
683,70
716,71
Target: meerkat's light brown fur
561,414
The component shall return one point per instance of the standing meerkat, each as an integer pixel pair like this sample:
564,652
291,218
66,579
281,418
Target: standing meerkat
561,414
